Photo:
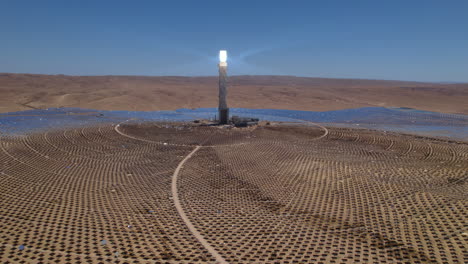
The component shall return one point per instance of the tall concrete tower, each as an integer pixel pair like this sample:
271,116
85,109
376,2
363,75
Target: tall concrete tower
223,109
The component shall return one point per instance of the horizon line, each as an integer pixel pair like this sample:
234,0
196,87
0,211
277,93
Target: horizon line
236,75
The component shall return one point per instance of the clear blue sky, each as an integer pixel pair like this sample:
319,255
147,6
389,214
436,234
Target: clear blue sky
404,40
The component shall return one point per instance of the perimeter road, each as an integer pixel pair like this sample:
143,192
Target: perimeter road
317,125
175,196
320,126
184,217
176,199
116,128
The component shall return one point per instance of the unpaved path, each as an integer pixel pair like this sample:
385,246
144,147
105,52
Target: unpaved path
184,217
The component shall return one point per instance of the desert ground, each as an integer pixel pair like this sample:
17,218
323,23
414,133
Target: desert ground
152,192
27,91
273,193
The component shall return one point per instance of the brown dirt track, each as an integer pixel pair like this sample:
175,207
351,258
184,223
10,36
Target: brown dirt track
272,194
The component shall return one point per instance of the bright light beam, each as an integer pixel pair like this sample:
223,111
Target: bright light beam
222,56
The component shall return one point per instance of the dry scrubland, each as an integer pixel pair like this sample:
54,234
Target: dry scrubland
270,194
26,91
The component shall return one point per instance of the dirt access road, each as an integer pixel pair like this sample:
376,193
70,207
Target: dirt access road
278,193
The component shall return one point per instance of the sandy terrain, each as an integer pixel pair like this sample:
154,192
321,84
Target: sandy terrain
282,193
26,91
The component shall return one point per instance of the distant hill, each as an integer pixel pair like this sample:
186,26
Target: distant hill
144,93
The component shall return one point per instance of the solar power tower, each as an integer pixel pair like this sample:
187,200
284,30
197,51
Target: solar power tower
223,109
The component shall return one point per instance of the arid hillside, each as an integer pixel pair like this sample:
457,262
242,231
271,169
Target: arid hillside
26,91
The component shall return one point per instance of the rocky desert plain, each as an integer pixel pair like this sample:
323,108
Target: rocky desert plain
276,192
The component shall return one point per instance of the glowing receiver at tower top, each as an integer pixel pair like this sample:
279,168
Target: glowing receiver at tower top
222,56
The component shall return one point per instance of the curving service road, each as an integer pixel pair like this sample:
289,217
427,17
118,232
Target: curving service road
157,193
191,227
175,193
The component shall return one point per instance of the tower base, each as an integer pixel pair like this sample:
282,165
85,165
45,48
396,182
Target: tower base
223,116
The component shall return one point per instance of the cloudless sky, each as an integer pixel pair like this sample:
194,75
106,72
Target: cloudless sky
403,40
